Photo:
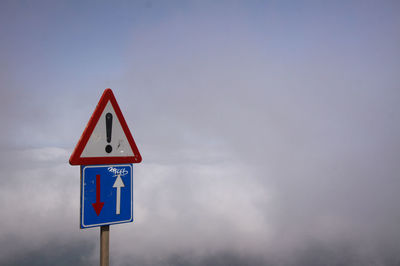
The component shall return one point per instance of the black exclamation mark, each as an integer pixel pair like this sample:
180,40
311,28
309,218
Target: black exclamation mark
108,131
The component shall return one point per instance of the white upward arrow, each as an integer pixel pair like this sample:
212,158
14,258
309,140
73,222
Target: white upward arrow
118,184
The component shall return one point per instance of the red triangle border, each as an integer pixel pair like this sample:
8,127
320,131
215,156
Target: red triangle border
76,158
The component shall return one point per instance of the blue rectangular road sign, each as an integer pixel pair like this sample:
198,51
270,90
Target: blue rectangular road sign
106,195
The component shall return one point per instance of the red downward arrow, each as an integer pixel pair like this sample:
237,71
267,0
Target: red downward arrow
97,206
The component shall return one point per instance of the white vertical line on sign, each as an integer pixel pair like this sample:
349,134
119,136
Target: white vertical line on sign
118,184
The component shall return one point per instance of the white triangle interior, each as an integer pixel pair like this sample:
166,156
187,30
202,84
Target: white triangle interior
95,147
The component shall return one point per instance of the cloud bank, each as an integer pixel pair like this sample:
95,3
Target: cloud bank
268,132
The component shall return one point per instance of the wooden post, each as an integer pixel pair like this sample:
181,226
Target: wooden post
104,245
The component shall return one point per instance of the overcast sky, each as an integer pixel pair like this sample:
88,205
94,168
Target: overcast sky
269,130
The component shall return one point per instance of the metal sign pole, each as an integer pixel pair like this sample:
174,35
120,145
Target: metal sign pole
100,155
104,245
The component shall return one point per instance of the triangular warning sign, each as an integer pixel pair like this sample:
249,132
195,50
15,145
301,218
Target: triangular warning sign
106,138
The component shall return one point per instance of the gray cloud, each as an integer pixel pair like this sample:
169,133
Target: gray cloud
269,135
